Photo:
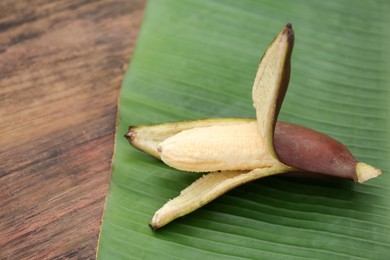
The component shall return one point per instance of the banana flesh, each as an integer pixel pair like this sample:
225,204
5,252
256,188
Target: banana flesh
216,148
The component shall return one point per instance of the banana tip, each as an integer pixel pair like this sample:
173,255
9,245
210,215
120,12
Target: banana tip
154,224
153,227
290,32
365,172
131,134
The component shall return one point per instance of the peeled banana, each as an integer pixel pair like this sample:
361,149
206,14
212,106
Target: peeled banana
237,151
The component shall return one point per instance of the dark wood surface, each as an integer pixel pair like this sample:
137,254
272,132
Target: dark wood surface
61,67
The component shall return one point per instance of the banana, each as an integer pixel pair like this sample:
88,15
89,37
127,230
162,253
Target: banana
237,151
300,147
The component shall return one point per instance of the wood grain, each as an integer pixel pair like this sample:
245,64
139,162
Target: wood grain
61,67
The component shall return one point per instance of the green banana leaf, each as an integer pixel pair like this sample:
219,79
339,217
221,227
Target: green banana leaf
197,59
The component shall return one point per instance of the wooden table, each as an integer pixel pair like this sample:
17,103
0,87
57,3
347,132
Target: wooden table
61,67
